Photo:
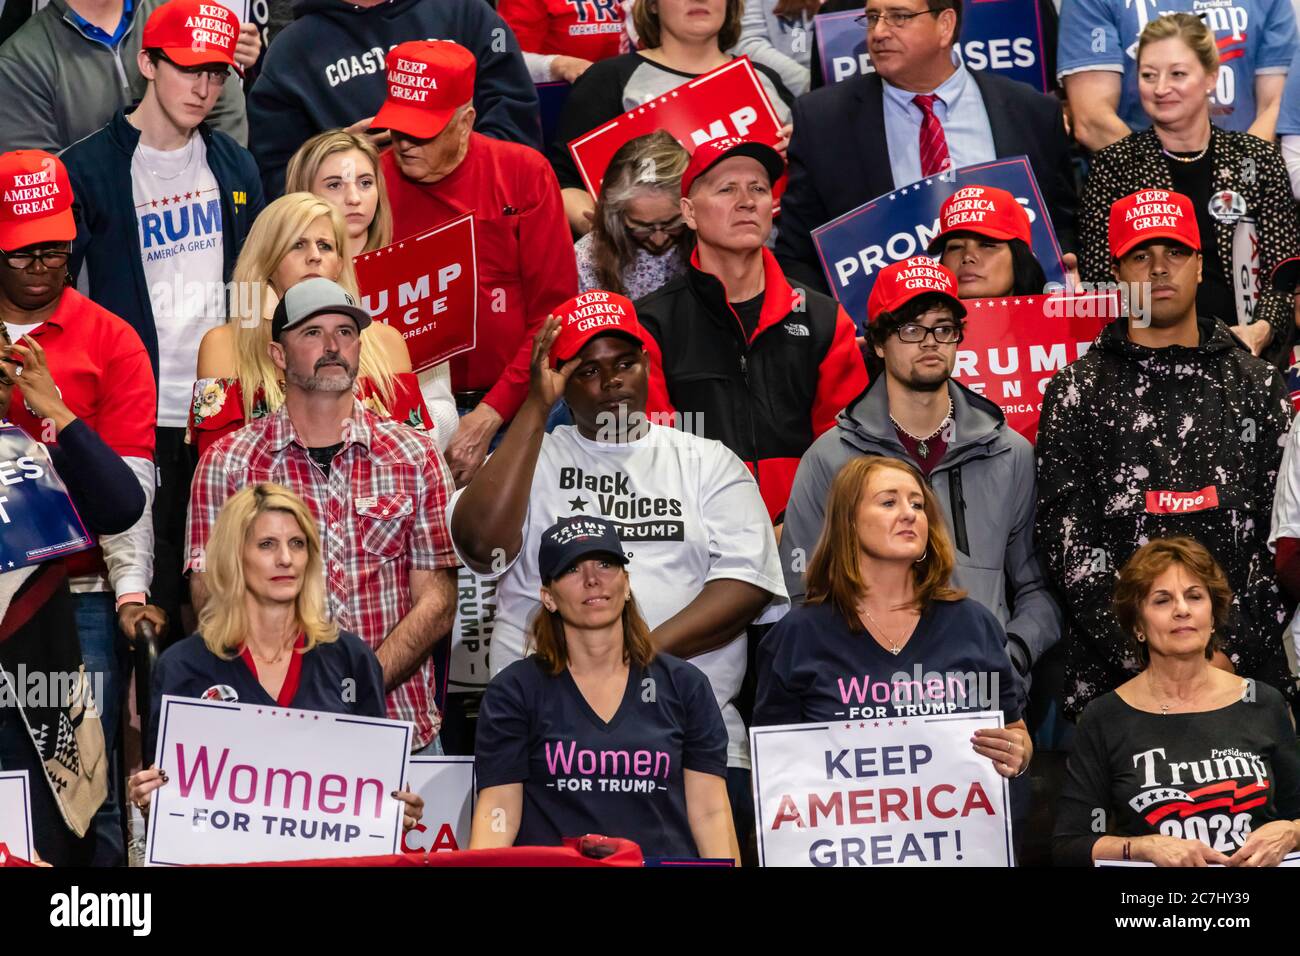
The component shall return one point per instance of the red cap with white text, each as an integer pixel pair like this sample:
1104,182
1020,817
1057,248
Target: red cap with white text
590,314
985,211
193,33
1152,214
707,155
428,80
35,200
901,282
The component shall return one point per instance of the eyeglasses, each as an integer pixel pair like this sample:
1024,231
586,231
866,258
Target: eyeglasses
50,258
895,20
216,73
670,227
943,334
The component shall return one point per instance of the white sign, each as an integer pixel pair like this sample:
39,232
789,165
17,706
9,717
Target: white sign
248,783
471,635
447,786
901,792
16,813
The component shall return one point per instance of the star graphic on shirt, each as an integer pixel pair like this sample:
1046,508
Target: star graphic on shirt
176,199
155,204
578,504
189,195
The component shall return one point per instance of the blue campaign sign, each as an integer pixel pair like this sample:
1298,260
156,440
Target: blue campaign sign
37,519
1004,36
898,225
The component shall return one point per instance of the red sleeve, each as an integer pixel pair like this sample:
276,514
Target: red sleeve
217,410
128,408
548,272
408,403
658,406
1287,563
207,494
528,19
841,377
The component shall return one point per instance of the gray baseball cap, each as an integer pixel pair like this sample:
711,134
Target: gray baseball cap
312,297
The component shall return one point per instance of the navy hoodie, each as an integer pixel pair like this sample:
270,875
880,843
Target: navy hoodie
326,70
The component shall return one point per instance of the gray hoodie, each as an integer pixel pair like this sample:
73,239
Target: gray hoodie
988,470
60,86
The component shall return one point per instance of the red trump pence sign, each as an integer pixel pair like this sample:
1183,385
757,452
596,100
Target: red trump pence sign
728,101
1013,346
426,287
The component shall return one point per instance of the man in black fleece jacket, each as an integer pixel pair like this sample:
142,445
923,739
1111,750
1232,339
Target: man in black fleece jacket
326,70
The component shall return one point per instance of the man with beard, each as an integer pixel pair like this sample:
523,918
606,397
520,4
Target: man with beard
1166,427
378,490
981,470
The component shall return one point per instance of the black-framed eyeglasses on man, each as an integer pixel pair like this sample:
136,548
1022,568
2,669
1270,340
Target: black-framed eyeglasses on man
50,258
895,18
216,73
912,333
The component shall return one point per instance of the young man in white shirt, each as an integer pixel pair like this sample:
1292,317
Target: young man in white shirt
159,253
703,558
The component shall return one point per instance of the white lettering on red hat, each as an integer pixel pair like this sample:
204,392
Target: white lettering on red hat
968,192
1153,209
1150,195
32,193
407,81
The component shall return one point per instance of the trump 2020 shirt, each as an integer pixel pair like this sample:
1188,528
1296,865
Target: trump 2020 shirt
1254,37
812,668
582,775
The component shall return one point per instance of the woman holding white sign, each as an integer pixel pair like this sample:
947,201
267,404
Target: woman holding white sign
595,732
263,635
881,634
296,237
1186,764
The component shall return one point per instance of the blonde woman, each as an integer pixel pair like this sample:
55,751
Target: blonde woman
263,635
296,237
343,169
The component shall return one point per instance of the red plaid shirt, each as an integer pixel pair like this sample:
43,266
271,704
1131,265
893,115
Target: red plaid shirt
381,514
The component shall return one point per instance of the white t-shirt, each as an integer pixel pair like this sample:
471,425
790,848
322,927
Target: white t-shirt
178,215
688,512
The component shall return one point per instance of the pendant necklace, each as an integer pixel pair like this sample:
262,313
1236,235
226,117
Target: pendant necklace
894,648
923,444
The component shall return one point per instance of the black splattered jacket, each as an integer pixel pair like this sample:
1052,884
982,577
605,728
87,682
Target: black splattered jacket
1138,443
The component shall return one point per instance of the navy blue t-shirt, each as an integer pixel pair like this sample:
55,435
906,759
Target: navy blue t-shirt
812,667
189,669
580,775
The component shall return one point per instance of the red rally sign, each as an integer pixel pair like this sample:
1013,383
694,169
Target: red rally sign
1013,346
728,101
426,287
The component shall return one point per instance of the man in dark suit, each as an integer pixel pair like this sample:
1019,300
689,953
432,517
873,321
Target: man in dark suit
919,113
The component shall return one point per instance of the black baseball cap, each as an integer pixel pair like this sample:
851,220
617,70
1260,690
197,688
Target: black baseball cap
571,539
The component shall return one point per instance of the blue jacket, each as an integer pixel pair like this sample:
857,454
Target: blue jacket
108,238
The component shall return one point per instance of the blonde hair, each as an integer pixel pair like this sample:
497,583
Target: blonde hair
305,166
835,574
223,622
1187,27
269,241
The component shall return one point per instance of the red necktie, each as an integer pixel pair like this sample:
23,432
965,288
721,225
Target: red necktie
934,147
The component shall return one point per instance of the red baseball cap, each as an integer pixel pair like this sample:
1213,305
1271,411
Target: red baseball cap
192,33
590,314
901,282
708,155
1152,214
35,200
985,211
428,80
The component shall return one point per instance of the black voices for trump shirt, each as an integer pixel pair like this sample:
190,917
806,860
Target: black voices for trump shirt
812,668
1213,776
581,775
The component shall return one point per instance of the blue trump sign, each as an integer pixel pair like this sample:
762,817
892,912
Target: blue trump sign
1002,36
901,224
37,519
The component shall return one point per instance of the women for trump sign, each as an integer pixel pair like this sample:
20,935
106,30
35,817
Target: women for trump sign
881,792
251,784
